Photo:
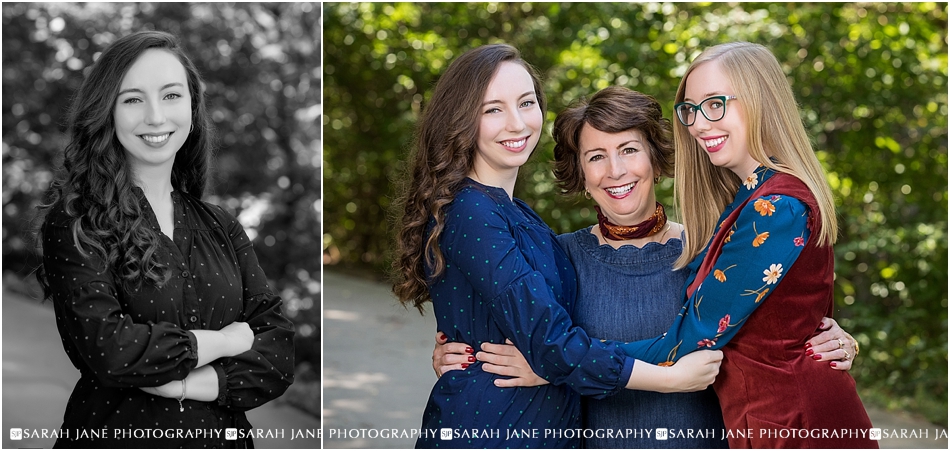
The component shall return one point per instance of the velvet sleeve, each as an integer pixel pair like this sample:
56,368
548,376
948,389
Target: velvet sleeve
762,245
480,242
263,373
97,333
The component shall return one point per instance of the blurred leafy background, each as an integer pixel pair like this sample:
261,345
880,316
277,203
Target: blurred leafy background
870,78
261,65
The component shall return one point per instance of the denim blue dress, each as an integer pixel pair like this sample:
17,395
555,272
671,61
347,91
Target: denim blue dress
631,294
506,277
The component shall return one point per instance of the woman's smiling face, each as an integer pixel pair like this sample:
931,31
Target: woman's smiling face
510,123
153,110
618,173
726,140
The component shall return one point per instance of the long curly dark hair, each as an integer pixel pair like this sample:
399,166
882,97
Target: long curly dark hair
443,155
95,184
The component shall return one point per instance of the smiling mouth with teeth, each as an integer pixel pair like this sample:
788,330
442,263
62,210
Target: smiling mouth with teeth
714,142
621,190
514,144
155,139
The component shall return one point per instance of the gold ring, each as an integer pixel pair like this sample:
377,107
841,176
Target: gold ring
847,355
840,343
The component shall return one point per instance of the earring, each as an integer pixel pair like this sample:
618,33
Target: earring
587,194
656,180
192,128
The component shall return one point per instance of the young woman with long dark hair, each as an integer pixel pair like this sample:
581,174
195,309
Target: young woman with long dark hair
159,298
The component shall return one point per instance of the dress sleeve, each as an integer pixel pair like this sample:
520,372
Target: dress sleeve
766,239
478,240
95,329
263,373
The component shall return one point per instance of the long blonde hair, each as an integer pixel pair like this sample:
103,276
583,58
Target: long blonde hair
775,129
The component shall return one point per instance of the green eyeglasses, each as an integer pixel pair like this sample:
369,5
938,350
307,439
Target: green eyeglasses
686,112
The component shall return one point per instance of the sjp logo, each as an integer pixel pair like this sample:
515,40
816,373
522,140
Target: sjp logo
874,433
230,434
16,433
446,433
662,434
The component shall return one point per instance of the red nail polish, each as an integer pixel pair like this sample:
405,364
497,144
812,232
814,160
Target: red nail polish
469,350
442,337
809,351
816,356
807,345
834,364
471,358
464,366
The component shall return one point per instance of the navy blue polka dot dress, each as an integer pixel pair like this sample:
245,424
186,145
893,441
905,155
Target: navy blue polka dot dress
507,277
120,340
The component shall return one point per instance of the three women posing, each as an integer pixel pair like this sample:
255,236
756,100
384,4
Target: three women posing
495,272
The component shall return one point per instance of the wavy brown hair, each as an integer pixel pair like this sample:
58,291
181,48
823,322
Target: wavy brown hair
440,159
613,109
95,184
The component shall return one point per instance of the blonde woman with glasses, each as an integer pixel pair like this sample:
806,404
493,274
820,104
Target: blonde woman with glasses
758,288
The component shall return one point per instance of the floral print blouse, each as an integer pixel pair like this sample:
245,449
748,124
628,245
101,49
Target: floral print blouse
120,340
761,245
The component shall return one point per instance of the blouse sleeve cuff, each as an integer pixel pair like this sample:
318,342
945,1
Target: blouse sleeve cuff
192,347
222,384
625,372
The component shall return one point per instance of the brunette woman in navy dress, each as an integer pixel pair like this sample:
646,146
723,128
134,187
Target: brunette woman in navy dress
493,269
159,299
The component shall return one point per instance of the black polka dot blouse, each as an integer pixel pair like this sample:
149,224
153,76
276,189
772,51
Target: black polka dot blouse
121,340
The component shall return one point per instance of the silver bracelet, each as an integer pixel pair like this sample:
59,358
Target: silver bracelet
181,407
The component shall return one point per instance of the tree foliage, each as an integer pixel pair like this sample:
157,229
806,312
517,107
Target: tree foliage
261,67
871,81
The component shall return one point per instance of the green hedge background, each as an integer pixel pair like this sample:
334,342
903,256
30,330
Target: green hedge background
871,81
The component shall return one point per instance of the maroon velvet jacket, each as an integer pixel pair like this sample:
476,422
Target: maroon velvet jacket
765,365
